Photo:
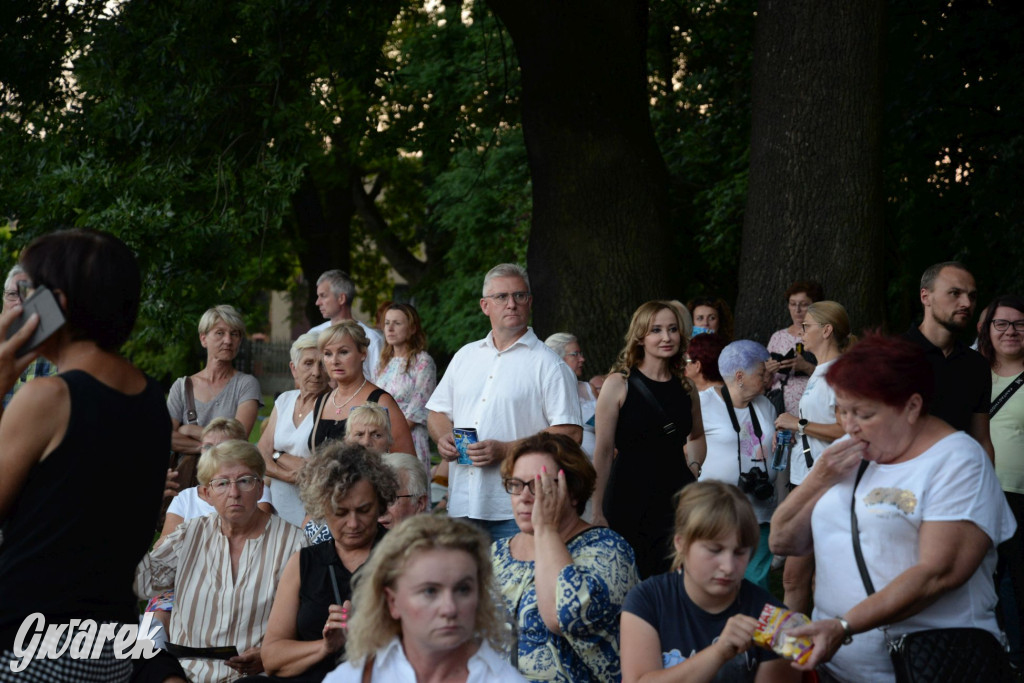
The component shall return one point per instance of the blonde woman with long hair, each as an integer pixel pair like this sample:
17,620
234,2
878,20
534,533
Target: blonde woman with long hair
422,609
647,414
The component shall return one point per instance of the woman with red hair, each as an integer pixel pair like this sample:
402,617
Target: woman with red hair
912,502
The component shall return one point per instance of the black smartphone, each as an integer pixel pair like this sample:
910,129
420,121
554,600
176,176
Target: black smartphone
51,318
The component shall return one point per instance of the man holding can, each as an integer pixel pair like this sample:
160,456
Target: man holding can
506,386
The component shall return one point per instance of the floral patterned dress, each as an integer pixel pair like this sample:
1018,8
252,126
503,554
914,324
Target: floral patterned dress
411,390
588,598
783,342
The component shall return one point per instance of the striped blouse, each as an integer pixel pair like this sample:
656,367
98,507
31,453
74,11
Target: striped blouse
210,607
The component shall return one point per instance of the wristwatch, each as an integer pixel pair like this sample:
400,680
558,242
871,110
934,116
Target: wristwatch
803,423
276,456
847,631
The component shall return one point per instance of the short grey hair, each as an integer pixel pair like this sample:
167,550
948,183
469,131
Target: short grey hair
304,342
229,453
559,340
416,473
373,414
742,354
506,270
340,283
223,313
16,270
932,272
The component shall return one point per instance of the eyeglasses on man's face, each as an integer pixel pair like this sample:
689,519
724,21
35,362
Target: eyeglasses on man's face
518,297
244,484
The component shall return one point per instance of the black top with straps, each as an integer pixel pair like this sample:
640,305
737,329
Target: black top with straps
334,429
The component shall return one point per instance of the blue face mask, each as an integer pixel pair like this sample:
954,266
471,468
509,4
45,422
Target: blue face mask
701,330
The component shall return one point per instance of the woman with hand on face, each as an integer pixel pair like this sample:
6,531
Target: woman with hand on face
423,609
826,330
696,623
343,349
218,389
563,580
285,439
350,488
408,372
738,423
790,369
928,511
649,413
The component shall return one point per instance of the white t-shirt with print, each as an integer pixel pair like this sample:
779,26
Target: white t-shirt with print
951,481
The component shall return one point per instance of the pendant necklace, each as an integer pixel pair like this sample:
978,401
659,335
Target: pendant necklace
337,408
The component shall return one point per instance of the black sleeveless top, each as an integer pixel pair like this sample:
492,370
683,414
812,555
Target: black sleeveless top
334,429
111,463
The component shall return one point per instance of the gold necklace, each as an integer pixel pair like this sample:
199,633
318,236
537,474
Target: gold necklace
334,395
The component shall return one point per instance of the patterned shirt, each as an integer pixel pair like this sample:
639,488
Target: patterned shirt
588,598
40,367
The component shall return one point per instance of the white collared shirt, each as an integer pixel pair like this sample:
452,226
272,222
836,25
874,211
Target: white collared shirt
504,395
391,664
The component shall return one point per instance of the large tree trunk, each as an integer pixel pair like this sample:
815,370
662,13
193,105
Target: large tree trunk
815,205
599,242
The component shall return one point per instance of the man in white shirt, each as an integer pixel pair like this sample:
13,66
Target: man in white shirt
506,386
334,295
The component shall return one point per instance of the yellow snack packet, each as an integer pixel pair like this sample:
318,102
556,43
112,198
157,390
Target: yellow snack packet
771,634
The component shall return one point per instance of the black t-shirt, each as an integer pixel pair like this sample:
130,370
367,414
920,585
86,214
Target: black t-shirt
963,381
685,629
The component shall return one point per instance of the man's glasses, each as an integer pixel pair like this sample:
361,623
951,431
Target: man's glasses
515,486
1003,325
519,297
244,484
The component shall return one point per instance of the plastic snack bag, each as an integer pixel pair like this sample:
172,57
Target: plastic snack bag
771,633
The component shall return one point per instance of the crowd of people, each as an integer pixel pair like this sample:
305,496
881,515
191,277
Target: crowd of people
621,527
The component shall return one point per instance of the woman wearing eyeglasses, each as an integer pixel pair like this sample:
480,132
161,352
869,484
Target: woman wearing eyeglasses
790,365
229,563
1001,342
563,580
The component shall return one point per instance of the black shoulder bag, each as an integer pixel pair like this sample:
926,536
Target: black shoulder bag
939,655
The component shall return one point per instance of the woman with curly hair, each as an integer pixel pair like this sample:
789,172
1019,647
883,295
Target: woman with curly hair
349,487
422,609
647,412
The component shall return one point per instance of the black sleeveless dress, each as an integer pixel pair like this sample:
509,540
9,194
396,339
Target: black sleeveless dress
334,429
649,470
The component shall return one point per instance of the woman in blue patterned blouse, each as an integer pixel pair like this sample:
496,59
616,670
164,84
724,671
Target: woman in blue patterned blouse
562,579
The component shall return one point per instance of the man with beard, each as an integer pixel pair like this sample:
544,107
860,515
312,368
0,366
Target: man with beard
963,383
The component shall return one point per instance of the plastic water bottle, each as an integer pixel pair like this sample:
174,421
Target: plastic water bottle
783,445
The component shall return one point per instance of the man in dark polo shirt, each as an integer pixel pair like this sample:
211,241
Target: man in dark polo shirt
963,382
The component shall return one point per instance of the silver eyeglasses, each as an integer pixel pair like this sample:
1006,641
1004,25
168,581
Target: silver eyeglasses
244,484
519,297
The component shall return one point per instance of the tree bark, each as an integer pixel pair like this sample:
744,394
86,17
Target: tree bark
599,243
815,203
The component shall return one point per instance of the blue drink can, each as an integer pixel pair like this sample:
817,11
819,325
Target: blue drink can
464,437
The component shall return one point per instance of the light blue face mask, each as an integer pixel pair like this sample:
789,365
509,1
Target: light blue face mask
697,329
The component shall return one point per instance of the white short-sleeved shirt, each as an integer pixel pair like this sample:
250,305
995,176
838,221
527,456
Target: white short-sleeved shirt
188,505
391,664
951,481
372,351
294,440
818,404
504,395
722,461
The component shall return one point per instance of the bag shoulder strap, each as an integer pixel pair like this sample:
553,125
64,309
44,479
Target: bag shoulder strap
862,567
646,394
191,416
368,669
1005,395
318,406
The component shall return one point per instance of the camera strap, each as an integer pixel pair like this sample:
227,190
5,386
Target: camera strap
736,426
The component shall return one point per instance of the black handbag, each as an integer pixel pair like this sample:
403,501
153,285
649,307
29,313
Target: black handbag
940,655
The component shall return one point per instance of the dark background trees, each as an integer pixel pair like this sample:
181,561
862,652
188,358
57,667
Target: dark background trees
248,146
